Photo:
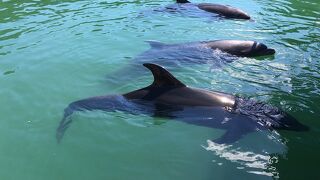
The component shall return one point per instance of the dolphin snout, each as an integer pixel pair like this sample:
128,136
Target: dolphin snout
290,123
245,16
270,51
303,128
240,15
262,49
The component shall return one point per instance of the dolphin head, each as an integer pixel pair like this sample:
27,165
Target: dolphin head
260,49
238,14
268,115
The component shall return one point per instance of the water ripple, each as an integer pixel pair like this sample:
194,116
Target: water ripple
54,52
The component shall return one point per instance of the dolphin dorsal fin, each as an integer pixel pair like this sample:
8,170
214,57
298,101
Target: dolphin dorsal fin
162,77
183,1
156,44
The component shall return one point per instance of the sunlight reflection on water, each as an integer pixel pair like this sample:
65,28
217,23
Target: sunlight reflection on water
246,159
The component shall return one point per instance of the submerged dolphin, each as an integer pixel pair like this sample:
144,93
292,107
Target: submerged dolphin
170,98
214,53
223,10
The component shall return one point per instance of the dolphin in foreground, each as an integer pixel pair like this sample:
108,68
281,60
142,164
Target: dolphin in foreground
223,10
170,98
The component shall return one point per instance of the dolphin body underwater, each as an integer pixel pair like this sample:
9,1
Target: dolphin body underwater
214,53
169,98
209,8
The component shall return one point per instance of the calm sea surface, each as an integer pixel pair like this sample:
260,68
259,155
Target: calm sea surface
56,52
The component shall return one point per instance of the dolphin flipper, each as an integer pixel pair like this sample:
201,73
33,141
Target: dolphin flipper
231,136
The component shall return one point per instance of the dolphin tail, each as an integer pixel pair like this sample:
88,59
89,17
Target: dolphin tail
65,122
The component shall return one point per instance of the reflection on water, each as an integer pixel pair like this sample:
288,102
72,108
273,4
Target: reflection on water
256,159
244,159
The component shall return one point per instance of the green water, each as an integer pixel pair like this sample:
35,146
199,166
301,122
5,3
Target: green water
56,52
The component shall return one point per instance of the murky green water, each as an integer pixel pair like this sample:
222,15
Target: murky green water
56,52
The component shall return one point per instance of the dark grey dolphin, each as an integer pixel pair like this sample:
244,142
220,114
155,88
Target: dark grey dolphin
214,53
170,98
243,48
226,11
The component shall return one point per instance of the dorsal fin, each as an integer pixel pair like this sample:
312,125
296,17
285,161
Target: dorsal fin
162,77
183,1
156,44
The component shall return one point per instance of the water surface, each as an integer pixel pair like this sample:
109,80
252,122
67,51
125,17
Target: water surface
56,52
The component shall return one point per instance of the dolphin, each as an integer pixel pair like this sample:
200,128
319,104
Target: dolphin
214,53
223,10
170,98
242,48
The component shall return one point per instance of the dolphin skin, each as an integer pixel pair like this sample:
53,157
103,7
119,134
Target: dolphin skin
214,53
170,98
242,48
223,10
